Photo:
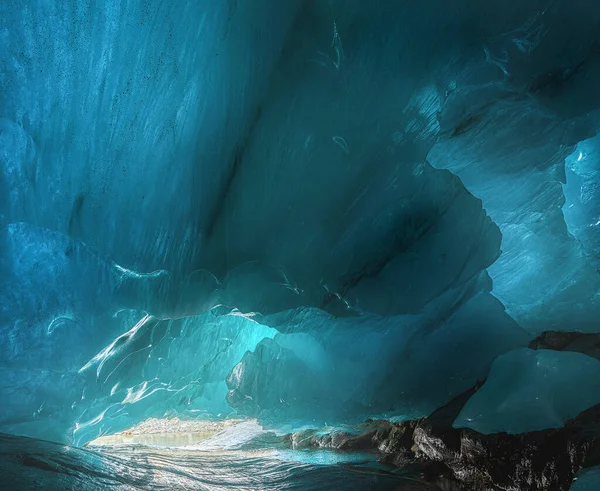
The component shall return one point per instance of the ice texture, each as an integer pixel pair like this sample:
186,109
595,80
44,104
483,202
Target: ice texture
292,210
324,370
582,197
587,480
529,390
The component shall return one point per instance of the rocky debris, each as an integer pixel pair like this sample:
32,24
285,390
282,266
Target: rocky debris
379,435
588,344
541,460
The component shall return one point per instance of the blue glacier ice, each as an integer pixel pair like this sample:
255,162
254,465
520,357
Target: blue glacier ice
587,480
311,213
530,390
581,189
322,371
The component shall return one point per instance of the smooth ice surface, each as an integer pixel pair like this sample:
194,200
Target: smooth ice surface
341,370
302,211
530,390
587,480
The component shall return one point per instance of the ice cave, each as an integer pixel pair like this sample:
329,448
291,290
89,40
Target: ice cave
359,241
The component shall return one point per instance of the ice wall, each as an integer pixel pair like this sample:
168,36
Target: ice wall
322,370
532,390
120,119
308,211
582,197
511,116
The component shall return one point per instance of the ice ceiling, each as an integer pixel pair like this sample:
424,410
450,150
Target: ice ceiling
308,212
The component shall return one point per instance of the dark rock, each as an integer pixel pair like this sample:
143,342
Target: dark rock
531,461
554,340
399,438
303,439
541,460
382,436
434,437
588,344
455,459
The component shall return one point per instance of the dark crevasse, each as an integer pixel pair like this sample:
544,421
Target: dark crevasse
310,213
